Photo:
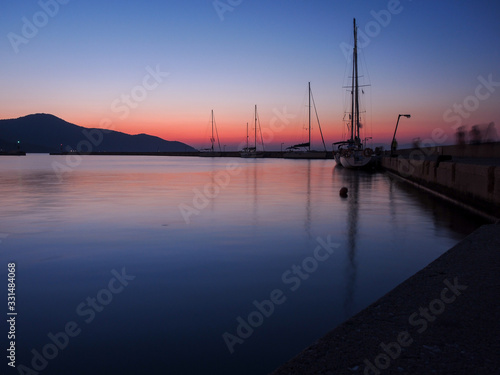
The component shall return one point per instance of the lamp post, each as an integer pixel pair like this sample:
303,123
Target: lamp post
393,145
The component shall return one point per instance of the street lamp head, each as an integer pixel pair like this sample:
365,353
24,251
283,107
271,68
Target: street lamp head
407,116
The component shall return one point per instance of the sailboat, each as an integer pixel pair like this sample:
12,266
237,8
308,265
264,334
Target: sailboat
251,152
352,153
210,152
303,150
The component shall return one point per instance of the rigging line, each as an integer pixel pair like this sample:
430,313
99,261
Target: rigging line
371,119
261,138
317,118
207,133
345,127
301,126
366,69
217,132
348,59
368,84
346,84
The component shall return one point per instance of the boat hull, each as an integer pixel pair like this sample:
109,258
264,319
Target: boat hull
356,160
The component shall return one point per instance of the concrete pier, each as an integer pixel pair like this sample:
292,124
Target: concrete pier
468,174
442,320
227,154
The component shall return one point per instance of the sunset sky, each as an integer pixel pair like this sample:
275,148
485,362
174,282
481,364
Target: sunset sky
160,67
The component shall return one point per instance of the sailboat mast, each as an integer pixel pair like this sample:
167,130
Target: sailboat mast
352,84
309,116
247,136
356,81
255,136
212,139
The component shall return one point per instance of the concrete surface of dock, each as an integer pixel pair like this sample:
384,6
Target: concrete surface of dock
467,174
443,320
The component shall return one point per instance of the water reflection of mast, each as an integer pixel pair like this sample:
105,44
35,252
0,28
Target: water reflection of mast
251,166
213,167
255,195
352,232
307,223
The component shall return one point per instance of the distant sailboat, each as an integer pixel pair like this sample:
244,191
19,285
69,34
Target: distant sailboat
251,152
351,153
303,150
210,152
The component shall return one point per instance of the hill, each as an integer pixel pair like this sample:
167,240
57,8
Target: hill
47,133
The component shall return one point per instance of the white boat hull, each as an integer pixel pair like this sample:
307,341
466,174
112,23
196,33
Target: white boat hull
355,160
354,163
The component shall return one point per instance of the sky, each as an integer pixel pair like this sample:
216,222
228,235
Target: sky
161,67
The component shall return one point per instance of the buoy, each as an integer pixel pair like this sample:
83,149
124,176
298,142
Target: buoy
343,192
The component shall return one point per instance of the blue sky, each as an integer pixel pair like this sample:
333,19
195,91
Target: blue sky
423,60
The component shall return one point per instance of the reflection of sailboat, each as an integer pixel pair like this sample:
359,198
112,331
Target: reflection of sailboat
307,223
251,152
352,206
352,233
303,150
351,153
252,171
211,151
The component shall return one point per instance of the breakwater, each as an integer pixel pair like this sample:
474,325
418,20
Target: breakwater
227,154
469,175
221,154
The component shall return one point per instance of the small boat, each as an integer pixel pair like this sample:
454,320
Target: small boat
211,152
303,150
352,153
251,152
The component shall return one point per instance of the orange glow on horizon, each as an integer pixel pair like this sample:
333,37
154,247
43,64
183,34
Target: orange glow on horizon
197,133
194,129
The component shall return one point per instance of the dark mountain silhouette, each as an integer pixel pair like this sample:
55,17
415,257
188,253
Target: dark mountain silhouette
47,133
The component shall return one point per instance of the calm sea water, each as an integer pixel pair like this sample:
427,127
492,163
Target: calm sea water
179,265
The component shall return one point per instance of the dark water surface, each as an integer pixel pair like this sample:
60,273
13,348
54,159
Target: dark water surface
168,264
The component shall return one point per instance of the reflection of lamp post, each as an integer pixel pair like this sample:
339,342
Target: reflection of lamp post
282,143
18,145
393,143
